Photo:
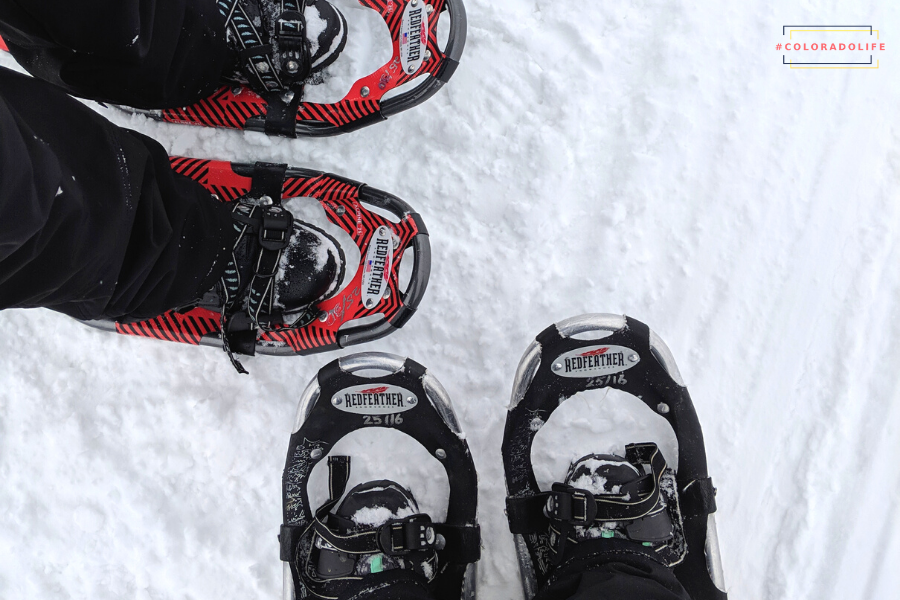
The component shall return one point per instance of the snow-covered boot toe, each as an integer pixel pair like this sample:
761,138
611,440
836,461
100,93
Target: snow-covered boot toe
310,269
402,539
326,31
612,476
278,282
372,504
278,44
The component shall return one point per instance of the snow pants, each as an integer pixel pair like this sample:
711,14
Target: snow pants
633,578
93,222
629,579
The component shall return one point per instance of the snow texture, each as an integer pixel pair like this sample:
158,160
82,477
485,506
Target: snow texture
315,25
652,158
378,515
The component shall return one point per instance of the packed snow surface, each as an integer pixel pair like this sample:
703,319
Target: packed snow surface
652,158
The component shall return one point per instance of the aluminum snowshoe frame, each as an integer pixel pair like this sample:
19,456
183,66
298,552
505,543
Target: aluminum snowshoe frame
422,411
286,114
344,202
563,360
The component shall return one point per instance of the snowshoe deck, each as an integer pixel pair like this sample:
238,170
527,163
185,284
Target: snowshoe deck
569,357
404,397
377,299
413,26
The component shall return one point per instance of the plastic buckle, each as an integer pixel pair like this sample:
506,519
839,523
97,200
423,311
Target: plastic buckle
290,29
274,234
400,537
571,505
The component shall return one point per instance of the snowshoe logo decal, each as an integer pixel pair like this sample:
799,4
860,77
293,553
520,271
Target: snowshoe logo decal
413,36
380,400
377,270
595,361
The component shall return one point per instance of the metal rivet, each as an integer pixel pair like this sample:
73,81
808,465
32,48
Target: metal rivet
663,408
412,69
440,453
557,367
370,303
387,293
411,400
429,8
292,66
236,90
396,241
287,97
265,200
414,2
316,453
364,91
262,67
428,55
215,196
340,210
633,358
337,400
275,209
382,230
323,317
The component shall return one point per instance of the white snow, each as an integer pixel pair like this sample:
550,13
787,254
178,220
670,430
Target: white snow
315,25
377,515
651,158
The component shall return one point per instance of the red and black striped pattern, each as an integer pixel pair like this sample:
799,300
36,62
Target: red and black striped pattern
339,113
340,199
186,328
222,109
227,109
303,340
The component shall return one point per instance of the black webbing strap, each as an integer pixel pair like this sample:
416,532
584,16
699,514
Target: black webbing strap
281,112
462,543
268,180
338,476
254,53
698,498
566,504
274,228
396,537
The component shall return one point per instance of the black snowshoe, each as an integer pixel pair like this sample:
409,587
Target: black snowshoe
376,536
609,505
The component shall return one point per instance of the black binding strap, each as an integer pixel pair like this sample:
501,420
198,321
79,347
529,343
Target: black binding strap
268,180
281,112
573,506
698,498
396,537
274,226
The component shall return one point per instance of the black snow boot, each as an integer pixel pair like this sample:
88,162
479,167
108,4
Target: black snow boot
279,44
279,269
612,478
388,514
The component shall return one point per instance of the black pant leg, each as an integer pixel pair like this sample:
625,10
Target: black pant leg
93,222
142,53
627,579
